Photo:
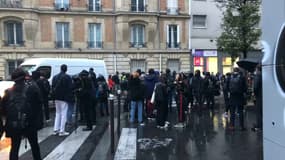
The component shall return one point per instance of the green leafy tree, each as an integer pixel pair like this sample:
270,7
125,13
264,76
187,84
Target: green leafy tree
240,21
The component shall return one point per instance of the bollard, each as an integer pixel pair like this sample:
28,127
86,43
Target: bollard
111,102
119,112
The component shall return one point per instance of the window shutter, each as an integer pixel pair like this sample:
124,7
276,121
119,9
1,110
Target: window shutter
178,34
167,34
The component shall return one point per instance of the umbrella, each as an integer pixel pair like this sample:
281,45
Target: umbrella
248,64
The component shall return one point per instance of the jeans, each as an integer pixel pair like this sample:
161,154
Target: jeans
135,104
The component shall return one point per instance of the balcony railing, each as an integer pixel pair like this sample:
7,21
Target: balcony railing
136,8
62,6
138,44
95,44
63,44
11,4
18,43
94,8
173,45
173,10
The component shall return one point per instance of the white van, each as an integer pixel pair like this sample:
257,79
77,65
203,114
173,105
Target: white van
74,66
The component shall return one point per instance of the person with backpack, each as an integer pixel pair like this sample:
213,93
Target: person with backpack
237,88
102,95
226,93
85,96
62,89
197,84
21,108
209,88
170,88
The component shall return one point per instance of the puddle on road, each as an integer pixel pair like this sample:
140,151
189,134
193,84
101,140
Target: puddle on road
153,143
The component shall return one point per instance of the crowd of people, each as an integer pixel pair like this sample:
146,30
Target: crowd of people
146,96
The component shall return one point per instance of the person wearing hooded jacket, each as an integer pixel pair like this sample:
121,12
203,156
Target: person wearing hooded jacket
33,97
149,82
136,95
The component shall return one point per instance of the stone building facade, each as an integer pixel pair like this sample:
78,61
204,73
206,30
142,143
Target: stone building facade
127,34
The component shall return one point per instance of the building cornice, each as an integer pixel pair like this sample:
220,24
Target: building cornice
77,51
80,12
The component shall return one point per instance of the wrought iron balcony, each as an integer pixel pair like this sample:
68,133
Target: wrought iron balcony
95,44
136,8
63,44
11,4
173,10
138,44
94,8
173,45
62,6
14,44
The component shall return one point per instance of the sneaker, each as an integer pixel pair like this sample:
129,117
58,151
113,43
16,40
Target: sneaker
55,133
166,122
179,125
63,133
142,124
48,120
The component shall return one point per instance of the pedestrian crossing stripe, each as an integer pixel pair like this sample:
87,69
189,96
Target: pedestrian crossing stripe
42,135
127,146
69,146
65,149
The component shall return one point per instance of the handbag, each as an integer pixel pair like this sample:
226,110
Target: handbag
152,100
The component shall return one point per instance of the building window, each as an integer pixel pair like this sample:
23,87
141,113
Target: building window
62,5
173,65
95,5
13,33
199,21
137,36
12,65
172,7
11,4
62,35
173,39
138,64
95,35
138,6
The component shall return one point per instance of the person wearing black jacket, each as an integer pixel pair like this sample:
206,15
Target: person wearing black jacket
62,90
44,86
161,102
136,95
33,97
85,95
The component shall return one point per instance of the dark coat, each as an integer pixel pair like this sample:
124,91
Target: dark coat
62,87
136,89
149,82
34,99
198,85
239,98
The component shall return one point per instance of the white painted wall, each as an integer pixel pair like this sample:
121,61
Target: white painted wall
201,38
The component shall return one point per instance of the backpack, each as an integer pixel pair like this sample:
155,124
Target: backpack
235,84
18,110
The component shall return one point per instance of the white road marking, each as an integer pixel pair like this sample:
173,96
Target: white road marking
127,146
